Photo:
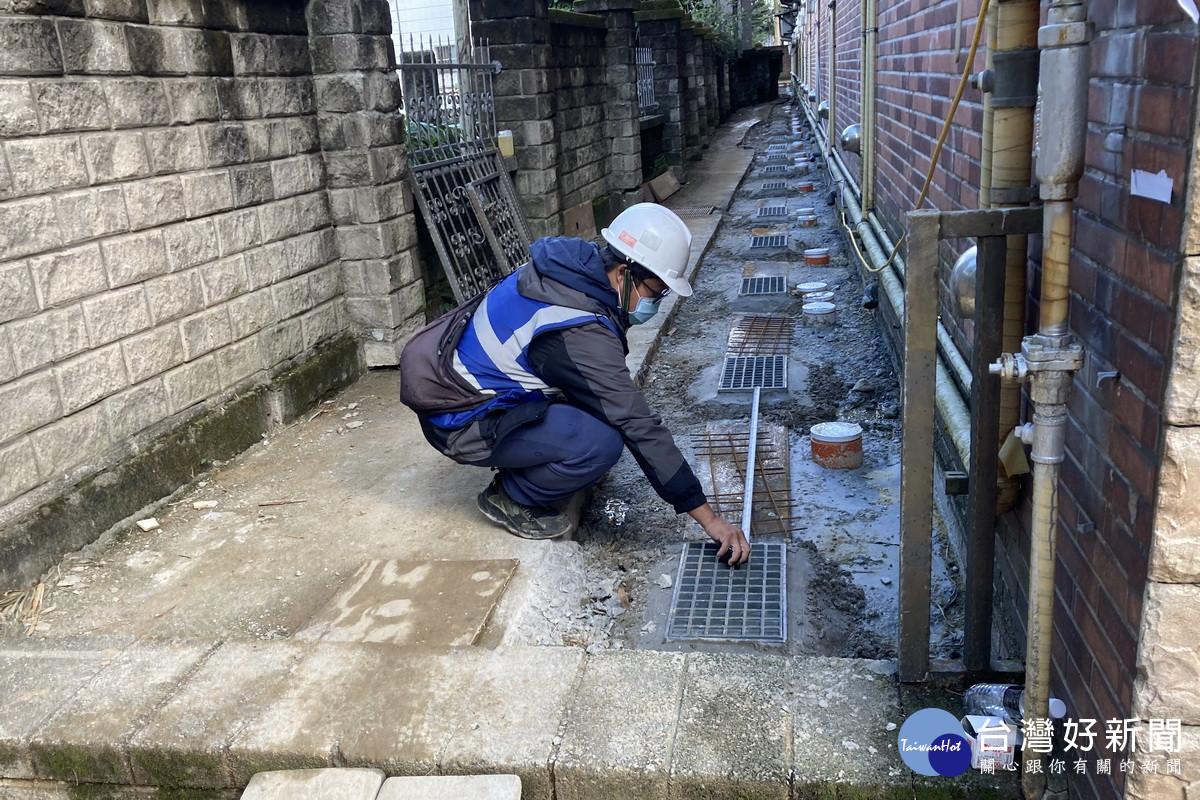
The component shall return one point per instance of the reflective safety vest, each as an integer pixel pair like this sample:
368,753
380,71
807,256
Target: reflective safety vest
493,355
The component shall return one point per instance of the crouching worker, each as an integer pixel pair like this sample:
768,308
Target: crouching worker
530,378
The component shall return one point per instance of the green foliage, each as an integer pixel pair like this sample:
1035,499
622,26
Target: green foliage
721,17
762,22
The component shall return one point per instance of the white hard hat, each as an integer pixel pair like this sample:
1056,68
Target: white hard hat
656,238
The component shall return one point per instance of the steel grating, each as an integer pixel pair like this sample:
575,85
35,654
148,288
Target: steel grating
773,211
775,170
771,240
780,159
772,185
694,211
761,335
764,284
711,601
742,373
776,147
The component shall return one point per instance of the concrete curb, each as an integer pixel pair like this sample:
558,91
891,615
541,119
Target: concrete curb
208,716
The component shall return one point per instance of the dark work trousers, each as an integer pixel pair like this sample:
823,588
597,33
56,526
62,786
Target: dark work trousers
551,458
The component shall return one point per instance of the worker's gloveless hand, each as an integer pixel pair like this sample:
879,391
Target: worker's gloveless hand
732,540
734,546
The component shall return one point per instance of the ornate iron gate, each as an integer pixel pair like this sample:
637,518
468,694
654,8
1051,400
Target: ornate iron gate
462,187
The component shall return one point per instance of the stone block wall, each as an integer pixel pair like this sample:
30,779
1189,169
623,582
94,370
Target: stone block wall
578,64
184,211
165,236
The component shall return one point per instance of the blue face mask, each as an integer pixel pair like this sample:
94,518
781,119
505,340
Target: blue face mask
645,310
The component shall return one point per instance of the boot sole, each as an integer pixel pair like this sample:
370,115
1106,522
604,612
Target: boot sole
500,518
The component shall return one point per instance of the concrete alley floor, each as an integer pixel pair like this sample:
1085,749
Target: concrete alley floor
332,596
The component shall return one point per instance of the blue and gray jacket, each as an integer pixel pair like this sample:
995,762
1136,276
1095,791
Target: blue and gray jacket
550,332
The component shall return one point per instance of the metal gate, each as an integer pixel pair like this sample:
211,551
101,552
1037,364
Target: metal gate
461,184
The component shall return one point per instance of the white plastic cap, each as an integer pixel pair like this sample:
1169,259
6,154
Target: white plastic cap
656,238
1058,709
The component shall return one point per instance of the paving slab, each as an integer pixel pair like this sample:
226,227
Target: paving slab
735,729
509,718
37,678
315,784
87,740
300,727
452,787
414,603
841,710
185,743
618,736
401,723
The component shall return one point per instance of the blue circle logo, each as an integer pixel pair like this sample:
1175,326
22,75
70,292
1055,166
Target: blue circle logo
933,742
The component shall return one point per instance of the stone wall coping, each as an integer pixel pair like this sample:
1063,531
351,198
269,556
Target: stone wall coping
576,19
649,16
600,6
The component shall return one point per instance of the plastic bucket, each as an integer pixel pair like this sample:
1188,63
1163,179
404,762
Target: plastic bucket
819,314
807,220
837,445
819,297
816,256
804,186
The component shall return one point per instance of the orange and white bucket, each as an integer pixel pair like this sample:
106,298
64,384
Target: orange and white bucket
819,297
807,220
816,256
804,186
837,445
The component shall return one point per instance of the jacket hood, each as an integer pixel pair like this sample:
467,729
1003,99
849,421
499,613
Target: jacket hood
577,264
568,271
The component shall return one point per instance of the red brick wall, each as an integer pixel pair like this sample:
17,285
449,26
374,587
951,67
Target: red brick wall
1124,277
1125,270
917,75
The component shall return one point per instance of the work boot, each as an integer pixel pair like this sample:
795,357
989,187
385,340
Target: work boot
528,522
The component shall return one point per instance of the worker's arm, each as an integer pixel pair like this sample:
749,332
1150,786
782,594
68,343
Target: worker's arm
587,363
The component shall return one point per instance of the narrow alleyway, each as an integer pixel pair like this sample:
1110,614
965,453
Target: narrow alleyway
332,595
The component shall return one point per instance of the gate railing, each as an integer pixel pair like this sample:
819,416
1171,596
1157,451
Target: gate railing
462,187
645,80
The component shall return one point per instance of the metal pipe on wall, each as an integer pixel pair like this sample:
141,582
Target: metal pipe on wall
831,135
1010,161
1050,358
870,26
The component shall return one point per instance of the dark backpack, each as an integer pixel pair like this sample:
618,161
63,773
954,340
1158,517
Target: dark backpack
428,383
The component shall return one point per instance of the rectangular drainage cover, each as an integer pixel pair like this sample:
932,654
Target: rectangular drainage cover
773,211
767,284
775,170
742,373
773,185
772,240
694,211
776,147
776,159
712,601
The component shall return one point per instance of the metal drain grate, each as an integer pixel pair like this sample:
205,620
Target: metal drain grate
773,211
775,170
773,185
765,284
761,335
694,211
772,240
780,159
776,147
742,373
712,601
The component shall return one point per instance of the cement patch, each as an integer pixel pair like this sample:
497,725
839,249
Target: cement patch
315,784
413,603
455,787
